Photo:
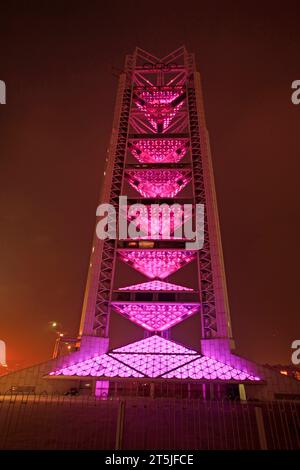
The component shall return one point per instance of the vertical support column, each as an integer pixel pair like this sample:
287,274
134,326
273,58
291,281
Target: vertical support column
94,321
152,390
120,425
242,393
109,252
216,335
261,428
209,320
216,252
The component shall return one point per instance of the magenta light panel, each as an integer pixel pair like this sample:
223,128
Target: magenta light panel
160,106
158,150
103,365
157,263
155,316
155,345
158,222
156,286
158,182
155,357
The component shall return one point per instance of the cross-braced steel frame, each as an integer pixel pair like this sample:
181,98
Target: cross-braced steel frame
174,75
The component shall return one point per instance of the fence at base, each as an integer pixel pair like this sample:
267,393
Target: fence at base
85,422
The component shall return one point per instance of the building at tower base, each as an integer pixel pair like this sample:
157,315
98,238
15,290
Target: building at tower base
85,370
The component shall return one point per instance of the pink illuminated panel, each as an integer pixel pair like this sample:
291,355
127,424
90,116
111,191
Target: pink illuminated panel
156,286
155,357
209,369
158,182
153,365
157,263
160,106
158,222
155,345
99,366
155,316
158,150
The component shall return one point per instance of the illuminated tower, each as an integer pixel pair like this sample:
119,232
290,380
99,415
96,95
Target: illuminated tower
159,154
158,280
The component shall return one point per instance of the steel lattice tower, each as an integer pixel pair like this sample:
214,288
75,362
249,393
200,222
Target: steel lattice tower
159,158
159,154
159,120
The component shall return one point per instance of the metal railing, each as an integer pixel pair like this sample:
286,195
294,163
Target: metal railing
44,421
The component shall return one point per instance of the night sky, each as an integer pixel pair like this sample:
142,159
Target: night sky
60,62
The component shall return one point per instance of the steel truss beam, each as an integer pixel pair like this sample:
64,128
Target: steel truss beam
104,292
208,301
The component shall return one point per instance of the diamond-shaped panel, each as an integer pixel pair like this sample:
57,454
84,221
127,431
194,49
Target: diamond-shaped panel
153,365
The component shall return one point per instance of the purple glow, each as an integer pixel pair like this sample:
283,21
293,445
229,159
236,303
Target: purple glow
158,222
209,369
153,365
154,345
155,316
157,263
158,150
159,106
158,182
99,366
156,286
155,357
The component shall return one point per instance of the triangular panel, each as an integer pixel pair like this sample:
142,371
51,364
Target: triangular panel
159,105
158,182
156,286
158,150
155,357
158,221
155,316
157,263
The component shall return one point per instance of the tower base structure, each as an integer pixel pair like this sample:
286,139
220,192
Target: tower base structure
153,367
